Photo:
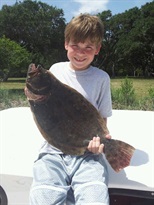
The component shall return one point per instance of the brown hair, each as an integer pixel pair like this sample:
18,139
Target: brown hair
83,27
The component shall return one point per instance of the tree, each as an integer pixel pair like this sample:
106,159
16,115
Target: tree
145,26
14,59
135,46
36,26
108,57
107,45
128,46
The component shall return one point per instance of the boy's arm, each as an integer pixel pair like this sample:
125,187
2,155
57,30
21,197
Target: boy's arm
108,135
95,146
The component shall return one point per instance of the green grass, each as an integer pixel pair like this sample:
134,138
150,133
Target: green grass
12,93
13,83
141,86
133,94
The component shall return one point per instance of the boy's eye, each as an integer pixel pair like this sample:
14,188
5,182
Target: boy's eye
88,48
74,46
85,49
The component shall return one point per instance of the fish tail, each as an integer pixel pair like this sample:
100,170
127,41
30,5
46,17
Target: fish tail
118,153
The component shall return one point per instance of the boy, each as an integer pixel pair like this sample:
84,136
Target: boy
82,180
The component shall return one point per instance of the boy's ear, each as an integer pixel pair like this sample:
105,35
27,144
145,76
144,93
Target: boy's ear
66,45
98,49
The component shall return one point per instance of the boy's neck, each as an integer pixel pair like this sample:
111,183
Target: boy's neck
75,69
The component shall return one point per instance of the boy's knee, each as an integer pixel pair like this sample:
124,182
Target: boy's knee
47,195
92,194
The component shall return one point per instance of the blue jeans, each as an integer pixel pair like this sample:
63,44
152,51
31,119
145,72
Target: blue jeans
60,179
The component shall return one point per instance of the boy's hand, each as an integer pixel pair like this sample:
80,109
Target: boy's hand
95,146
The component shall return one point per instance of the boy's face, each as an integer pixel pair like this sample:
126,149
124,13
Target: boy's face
81,54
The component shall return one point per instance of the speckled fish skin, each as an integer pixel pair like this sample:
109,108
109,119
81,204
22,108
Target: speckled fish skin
67,120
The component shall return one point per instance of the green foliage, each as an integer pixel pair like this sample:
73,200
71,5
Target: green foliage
13,58
127,48
129,42
12,98
125,97
151,93
136,45
36,26
12,94
126,94
151,97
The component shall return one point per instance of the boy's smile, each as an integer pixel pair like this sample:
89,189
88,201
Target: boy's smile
81,54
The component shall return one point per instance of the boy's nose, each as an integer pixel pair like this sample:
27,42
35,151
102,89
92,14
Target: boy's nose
81,50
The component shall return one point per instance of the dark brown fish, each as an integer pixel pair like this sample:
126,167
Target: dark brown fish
67,120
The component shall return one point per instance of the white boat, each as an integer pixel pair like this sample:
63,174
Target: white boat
20,141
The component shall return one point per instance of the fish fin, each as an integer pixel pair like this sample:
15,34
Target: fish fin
118,154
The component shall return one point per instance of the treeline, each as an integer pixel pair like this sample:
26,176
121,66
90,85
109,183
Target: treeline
32,31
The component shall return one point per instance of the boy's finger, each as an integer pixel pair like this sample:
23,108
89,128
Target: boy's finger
101,148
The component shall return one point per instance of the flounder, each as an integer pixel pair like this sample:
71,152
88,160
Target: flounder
67,120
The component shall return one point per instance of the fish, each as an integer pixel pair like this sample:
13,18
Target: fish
67,120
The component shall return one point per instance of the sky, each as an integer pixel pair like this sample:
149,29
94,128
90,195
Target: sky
72,8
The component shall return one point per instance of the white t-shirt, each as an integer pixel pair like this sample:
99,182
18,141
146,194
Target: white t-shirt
92,83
